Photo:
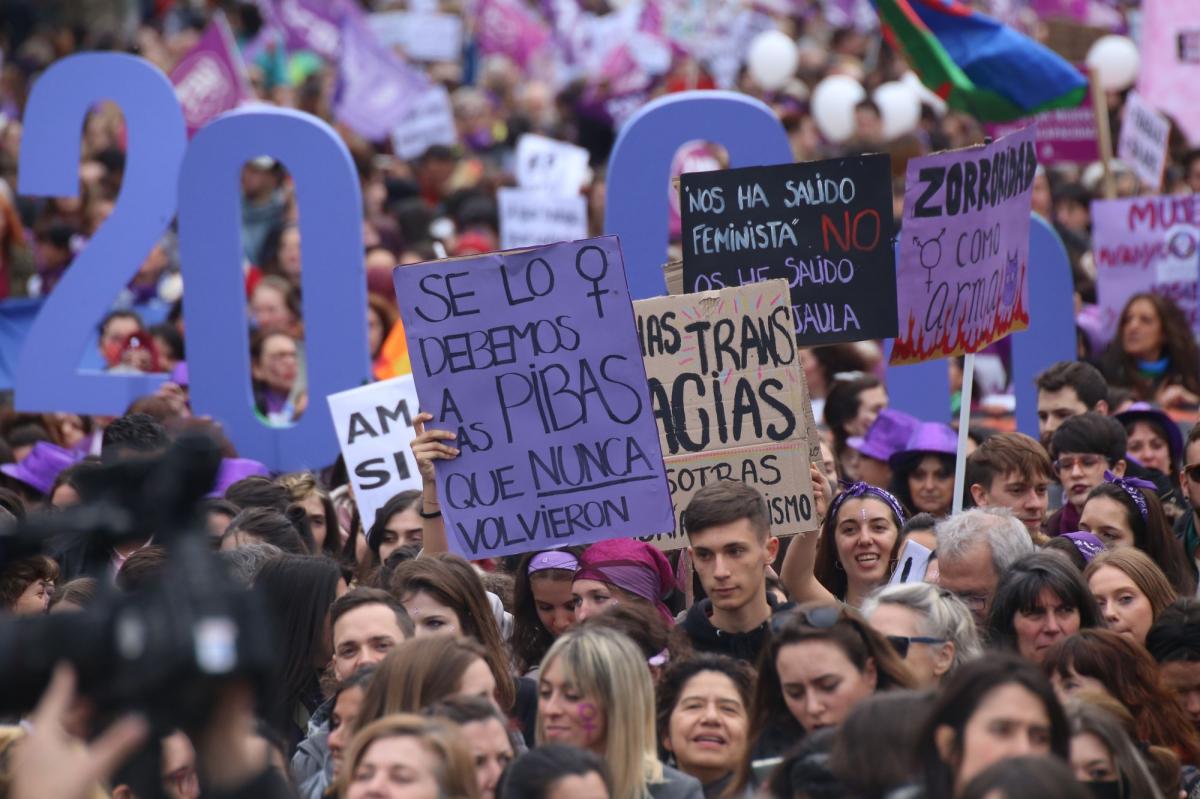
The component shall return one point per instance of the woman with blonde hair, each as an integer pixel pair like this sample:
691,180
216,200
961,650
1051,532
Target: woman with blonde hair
595,693
427,757
1130,590
306,491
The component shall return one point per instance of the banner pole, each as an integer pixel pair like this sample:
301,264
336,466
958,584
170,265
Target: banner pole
1103,133
964,424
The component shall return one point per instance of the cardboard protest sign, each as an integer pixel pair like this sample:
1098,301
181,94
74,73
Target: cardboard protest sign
1169,74
1146,244
824,226
1143,141
551,165
1064,135
374,429
730,399
430,121
422,36
964,249
531,358
531,217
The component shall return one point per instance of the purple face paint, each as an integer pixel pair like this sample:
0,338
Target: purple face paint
588,714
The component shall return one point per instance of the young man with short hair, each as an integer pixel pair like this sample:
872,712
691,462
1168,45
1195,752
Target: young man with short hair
729,529
1083,449
1187,528
1011,470
366,623
1066,389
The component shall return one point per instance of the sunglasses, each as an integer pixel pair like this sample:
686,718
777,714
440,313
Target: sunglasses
821,617
1066,464
1193,472
901,643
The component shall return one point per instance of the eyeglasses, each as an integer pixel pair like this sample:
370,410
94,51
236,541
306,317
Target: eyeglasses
821,617
901,643
974,601
1085,462
1193,472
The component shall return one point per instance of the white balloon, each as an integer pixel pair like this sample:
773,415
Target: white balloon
1115,61
772,59
927,97
899,106
833,102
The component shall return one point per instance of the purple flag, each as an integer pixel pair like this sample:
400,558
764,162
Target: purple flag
309,24
508,28
210,80
375,89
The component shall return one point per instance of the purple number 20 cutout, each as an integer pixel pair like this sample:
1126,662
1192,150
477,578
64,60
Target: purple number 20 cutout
47,374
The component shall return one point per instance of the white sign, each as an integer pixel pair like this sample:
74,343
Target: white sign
554,166
1143,142
374,429
430,122
529,217
423,36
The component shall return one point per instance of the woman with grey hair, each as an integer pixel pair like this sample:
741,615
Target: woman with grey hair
929,627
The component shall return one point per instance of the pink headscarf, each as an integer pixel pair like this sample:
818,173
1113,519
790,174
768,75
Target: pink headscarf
634,566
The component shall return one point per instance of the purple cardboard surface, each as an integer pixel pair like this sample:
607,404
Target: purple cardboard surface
531,357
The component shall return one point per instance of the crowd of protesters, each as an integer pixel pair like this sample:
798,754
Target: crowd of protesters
1051,647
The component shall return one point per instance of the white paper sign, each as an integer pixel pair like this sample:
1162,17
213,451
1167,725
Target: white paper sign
555,166
423,36
529,217
1143,142
430,122
374,429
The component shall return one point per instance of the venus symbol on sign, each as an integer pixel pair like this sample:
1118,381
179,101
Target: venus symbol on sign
931,255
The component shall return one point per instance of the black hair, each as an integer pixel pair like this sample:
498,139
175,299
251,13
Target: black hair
258,492
918,522
1175,634
133,434
873,748
26,435
269,526
298,591
174,341
805,770
959,699
1087,381
360,597
530,639
397,504
1091,433
1152,534
907,465
1019,777
118,314
534,774
1020,590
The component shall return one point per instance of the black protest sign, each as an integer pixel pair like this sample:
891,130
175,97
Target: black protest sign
824,226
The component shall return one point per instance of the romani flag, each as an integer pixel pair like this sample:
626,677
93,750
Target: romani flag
976,64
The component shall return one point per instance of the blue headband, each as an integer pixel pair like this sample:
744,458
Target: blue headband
861,489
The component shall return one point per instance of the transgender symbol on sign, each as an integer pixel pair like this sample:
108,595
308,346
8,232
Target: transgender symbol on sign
931,256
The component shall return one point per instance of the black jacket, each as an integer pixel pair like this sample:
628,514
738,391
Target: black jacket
698,627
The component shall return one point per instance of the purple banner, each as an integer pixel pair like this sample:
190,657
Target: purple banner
509,28
210,80
1146,244
309,24
964,249
532,358
375,89
1064,136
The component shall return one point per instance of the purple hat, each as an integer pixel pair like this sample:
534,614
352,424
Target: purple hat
179,375
234,469
1088,545
929,438
41,466
887,435
1138,411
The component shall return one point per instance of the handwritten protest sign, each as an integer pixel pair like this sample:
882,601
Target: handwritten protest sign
1064,135
1146,244
730,398
374,428
964,249
1143,142
545,163
824,226
531,217
422,36
531,358
430,121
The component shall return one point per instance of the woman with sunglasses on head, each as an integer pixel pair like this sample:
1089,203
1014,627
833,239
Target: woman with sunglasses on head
821,660
931,630
1039,601
1125,512
856,550
992,709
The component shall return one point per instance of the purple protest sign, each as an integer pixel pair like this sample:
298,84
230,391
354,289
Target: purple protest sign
210,79
1146,244
508,28
964,249
1064,136
309,24
375,89
532,358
